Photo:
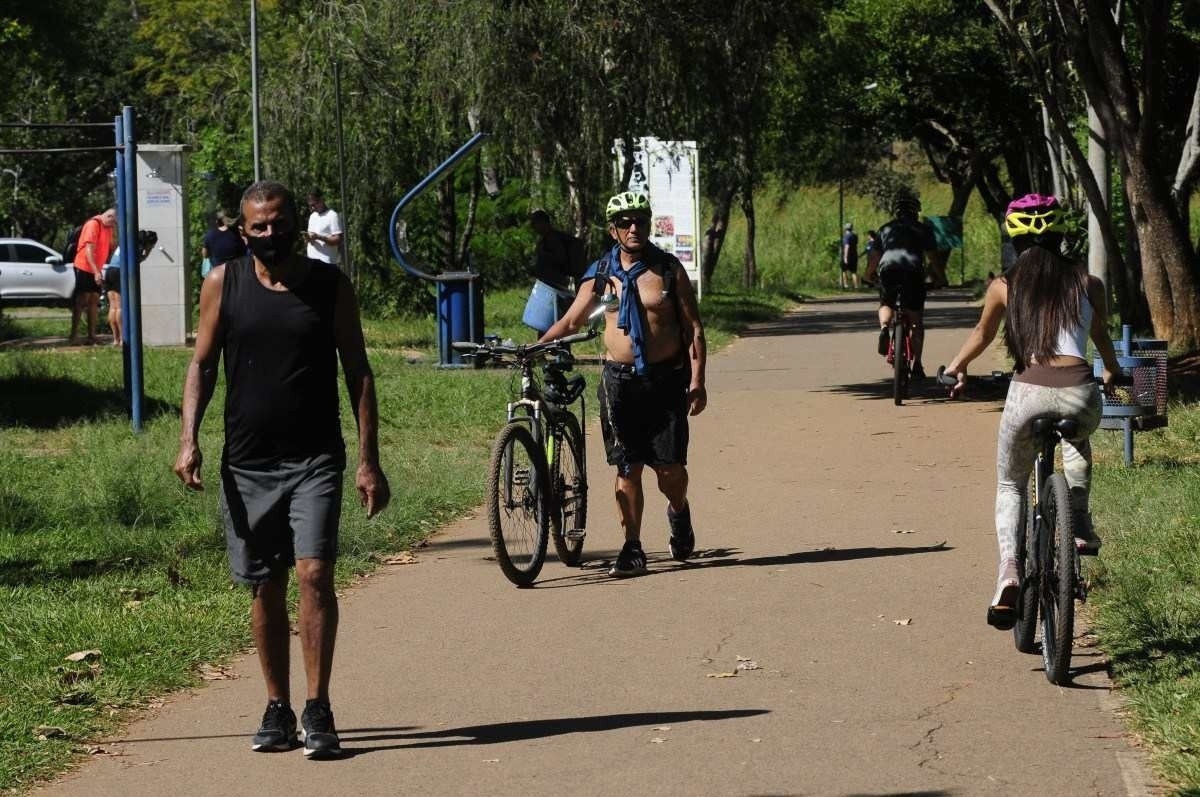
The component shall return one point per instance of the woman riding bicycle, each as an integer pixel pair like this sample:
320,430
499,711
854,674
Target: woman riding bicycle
1052,306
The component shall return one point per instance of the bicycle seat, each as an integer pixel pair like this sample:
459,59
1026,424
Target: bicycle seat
1066,427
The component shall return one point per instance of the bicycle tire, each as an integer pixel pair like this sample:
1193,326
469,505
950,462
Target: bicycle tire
568,480
1025,631
518,494
1058,599
899,361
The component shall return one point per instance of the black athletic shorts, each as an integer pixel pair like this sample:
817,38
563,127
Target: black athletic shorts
112,279
907,284
85,282
850,266
644,417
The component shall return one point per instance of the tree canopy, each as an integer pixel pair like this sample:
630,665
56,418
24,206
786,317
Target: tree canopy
994,96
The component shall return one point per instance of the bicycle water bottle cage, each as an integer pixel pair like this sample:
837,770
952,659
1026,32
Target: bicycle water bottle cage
1066,427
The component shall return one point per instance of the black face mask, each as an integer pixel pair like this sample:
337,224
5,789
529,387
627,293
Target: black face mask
272,249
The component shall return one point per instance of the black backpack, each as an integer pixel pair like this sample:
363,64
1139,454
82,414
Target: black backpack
72,247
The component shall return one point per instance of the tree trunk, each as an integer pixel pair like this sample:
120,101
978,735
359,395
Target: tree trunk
464,240
447,224
714,236
750,266
1167,274
575,190
1188,169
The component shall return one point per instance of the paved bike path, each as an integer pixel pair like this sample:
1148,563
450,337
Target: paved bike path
846,550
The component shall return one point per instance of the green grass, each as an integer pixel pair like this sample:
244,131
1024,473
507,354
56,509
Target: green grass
1147,596
797,238
102,549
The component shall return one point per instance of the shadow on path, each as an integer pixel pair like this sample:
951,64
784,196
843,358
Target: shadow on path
501,732
856,318
595,570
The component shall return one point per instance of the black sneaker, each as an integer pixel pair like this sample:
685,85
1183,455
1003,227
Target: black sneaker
918,371
884,334
631,561
683,538
278,729
320,736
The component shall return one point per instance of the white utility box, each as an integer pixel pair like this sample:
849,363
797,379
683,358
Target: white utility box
166,278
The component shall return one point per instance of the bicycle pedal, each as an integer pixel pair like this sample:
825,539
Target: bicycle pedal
575,535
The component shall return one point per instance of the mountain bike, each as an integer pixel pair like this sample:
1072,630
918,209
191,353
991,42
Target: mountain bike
537,477
1047,557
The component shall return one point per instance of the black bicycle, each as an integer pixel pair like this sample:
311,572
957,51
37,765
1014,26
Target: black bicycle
1047,556
537,478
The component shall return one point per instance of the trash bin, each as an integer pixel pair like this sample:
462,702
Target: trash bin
1143,405
1145,402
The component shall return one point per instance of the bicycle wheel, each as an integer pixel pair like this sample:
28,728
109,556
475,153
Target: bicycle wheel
899,361
518,495
568,483
1058,576
1025,630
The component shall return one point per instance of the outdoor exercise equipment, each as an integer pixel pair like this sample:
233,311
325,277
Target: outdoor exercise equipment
459,293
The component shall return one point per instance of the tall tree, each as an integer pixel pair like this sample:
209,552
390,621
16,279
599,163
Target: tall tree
1121,65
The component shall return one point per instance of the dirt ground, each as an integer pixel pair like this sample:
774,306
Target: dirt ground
846,551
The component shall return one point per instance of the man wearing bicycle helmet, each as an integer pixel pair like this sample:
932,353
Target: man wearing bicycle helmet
901,273
1050,307
653,376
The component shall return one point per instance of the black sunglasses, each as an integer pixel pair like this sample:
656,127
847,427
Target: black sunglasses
625,222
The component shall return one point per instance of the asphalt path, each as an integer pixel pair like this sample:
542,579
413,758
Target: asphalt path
845,559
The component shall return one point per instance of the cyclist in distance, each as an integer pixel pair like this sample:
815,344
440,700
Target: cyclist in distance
901,274
1050,306
653,376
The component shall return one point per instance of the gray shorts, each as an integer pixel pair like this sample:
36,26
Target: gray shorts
277,515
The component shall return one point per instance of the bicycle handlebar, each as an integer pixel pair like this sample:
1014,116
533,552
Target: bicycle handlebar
1123,380
523,351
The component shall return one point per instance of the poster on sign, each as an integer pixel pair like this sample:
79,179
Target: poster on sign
669,173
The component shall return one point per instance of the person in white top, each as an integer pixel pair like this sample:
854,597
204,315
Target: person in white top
1050,307
324,235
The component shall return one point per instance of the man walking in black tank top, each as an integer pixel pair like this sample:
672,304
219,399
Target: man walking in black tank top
282,322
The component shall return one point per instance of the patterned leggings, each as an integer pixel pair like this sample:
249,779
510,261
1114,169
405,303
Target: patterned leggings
1016,451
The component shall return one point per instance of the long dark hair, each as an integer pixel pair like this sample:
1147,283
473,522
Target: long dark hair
1045,295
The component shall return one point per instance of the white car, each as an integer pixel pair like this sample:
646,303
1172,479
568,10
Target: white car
33,273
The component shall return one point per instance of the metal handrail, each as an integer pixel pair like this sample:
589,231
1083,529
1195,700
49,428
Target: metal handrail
416,191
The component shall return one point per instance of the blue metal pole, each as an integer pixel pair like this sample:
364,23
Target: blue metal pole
122,226
132,311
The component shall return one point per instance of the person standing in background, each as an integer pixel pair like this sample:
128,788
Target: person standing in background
93,251
872,252
558,261
324,234
222,243
849,257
